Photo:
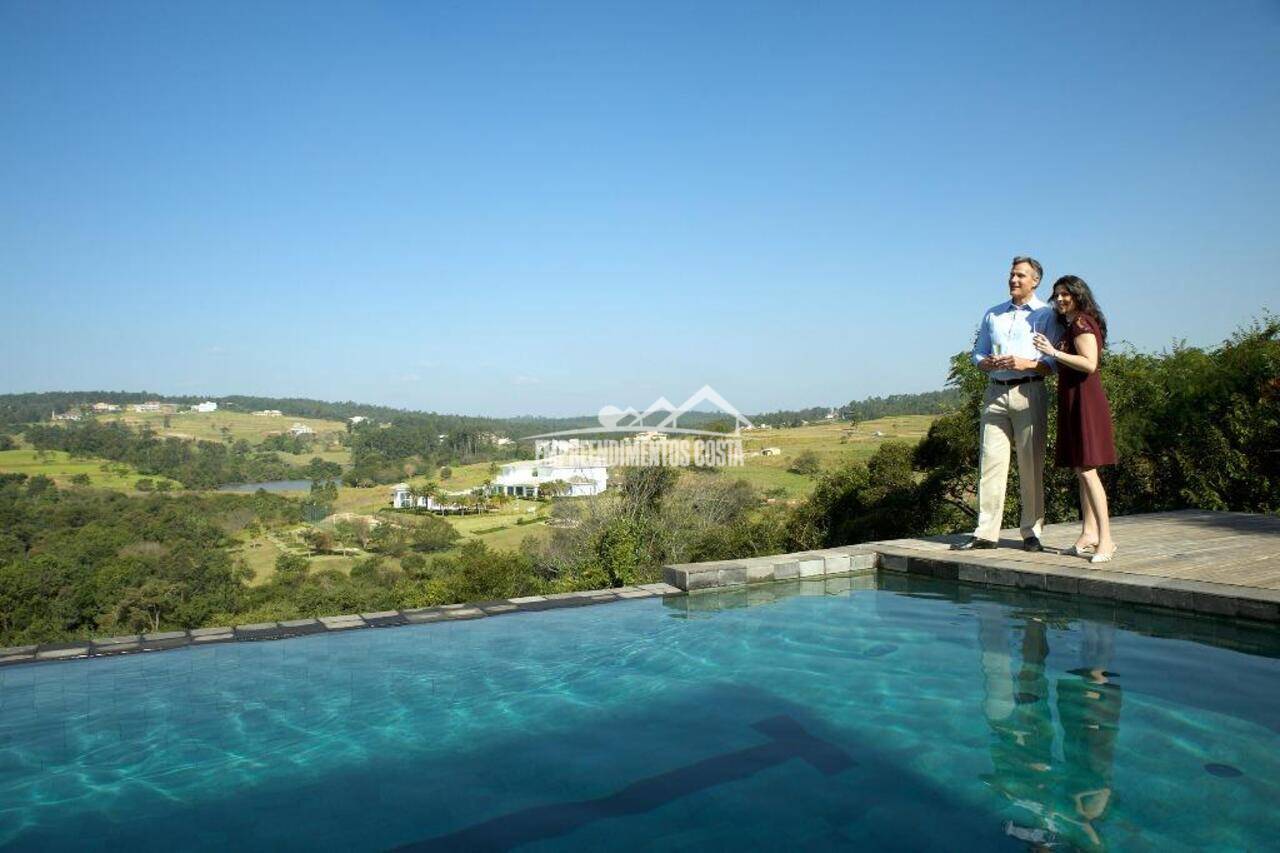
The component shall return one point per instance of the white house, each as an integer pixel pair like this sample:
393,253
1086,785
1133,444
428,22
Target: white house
152,406
771,451
357,419
301,429
205,407
584,476
269,413
402,497
105,407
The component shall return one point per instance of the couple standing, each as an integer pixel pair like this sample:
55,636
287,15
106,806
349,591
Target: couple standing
1020,342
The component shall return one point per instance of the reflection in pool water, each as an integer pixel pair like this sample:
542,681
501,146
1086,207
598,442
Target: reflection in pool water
845,713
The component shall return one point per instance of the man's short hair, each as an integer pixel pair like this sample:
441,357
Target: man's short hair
1031,262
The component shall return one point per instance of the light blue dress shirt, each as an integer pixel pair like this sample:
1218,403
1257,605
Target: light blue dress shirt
1007,329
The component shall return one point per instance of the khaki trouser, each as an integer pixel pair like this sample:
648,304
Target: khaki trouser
1016,415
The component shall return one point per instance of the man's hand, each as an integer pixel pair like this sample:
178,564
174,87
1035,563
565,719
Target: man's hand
997,362
1017,363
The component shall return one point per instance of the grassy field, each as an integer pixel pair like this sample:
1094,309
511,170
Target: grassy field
370,499
464,477
209,427
341,455
363,501
834,443
61,467
498,530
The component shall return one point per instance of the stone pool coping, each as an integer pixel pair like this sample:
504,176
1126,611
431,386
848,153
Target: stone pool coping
166,640
989,569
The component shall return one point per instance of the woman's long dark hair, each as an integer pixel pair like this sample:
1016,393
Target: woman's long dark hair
1083,297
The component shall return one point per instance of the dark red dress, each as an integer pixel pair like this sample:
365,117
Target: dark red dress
1085,439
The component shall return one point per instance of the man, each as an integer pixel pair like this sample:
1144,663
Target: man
1015,410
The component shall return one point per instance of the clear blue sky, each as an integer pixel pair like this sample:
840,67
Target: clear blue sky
549,207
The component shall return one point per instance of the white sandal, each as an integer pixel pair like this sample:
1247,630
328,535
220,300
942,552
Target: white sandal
1073,551
1104,558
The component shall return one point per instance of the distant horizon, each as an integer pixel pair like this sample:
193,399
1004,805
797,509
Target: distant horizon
105,396
1246,322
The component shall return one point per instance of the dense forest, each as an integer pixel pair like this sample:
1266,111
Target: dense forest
868,409
926,403
1195,428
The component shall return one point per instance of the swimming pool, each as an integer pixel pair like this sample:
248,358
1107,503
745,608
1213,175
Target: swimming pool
862,712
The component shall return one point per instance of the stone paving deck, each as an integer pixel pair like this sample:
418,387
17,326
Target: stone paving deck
1219,563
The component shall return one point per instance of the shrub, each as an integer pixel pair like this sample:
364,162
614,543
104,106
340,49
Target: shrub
806,463
292,568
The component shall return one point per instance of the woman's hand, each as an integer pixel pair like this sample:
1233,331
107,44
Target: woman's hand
1041,343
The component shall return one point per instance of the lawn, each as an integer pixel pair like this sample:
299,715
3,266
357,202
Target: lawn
370,499
209,426
260,554
60,466
834,443
362,500
464,477
498,530
340,455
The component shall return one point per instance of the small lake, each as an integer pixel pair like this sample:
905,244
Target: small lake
268,486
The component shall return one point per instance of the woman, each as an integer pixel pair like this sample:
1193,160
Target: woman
1084,419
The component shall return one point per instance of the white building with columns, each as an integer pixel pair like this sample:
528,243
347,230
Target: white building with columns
583,475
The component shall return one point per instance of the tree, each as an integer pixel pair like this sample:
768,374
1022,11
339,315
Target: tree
145,484
319,541
433,534
352,531
415,566
480,574
553,488
389,539
446,472
80,479
643,488
292,568
620,551
142,608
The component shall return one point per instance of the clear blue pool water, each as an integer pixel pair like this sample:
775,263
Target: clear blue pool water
919,715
